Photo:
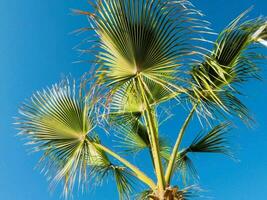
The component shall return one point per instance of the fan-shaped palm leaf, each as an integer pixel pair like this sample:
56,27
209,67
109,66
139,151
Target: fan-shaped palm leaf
212,142
133,137
230,63
143,37
143,45
60,123
127,99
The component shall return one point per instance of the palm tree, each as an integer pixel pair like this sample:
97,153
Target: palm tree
148,53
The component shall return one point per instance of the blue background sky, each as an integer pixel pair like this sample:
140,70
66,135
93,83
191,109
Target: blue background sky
36,50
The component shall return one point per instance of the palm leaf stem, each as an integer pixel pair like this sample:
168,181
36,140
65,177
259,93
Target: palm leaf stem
153,136
151,156
137,172
171,163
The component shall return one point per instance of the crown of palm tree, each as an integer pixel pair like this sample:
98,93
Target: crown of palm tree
141,46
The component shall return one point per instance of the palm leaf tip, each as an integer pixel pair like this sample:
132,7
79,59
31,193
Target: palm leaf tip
186,168
261,34
191,192
124,183
57,121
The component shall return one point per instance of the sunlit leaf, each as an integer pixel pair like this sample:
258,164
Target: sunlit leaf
59,122
232,62
148,38
214,141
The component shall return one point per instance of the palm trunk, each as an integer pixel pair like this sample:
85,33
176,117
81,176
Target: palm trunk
169,194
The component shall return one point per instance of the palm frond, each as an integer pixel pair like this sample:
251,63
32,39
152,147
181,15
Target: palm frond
105,169
185,166
102,168
133,137
126,107
60,123
57,121
212,142
126,101
261,35
124,183
232,62
127,98
144,37
125,115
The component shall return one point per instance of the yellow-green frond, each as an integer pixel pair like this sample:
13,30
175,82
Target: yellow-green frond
147,38
232,62
57,122
60,123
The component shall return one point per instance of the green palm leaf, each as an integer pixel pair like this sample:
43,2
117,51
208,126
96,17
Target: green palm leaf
57,121
186,168
127,99
125,115
143,37
60,123
214,141
231,63
261,34
133,137
124,182
102,168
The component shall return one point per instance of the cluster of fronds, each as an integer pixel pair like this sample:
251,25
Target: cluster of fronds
142,49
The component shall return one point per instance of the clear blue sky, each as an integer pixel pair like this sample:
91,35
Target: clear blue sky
36,50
